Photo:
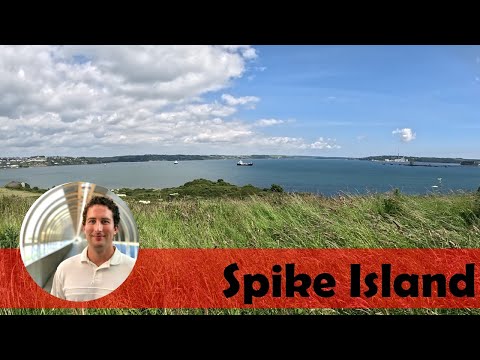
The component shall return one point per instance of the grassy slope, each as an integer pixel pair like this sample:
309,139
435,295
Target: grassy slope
303,221
21,193
288,221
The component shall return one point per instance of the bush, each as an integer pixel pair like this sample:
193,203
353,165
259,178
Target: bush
393,204
390,206
276,188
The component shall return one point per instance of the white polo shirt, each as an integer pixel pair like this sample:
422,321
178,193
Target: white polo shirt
79,279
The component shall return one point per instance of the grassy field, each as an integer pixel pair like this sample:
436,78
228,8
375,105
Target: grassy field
19,193
281,220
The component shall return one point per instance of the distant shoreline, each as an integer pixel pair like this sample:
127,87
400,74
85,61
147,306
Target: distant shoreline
42,161
426,165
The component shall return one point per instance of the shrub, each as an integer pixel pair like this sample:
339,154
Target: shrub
276,188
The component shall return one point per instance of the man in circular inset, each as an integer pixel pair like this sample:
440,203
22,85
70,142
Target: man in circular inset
100,268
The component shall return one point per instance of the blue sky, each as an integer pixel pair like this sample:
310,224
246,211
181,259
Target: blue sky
292,100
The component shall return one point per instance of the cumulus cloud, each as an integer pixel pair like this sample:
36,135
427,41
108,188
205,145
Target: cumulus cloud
78,98
405,134
322,143
113,100
247,51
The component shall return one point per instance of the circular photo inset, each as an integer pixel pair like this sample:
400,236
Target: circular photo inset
79,241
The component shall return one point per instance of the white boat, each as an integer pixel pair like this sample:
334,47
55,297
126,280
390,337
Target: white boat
175,162
241,163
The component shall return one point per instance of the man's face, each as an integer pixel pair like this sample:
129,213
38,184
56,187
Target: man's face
99,229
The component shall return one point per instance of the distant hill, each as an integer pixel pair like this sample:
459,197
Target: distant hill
82,160
422,159
152,157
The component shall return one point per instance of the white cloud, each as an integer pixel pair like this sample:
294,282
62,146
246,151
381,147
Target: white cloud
291,145
73,99
114,100
322,143
249,53
268,122
245,100
405,134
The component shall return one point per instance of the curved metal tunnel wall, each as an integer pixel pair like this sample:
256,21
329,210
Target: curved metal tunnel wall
52,229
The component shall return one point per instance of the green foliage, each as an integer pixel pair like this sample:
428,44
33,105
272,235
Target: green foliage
276,188
471,215
12,211
200,188
392,205
9,236
37,190
29,189
476,203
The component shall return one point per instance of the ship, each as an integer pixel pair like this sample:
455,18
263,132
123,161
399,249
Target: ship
175,162
241,163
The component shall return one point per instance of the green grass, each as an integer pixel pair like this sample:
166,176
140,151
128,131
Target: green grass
281,220
200,189
13,209
306,221
240,312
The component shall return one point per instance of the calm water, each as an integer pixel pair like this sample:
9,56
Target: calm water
328,177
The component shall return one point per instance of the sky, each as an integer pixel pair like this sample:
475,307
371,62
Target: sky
315,100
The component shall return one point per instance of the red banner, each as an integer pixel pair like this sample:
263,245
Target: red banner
273,278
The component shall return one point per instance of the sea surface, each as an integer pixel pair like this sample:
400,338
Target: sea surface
321,176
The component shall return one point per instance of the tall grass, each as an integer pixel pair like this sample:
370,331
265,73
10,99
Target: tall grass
239,311
12,211
308,221
390,220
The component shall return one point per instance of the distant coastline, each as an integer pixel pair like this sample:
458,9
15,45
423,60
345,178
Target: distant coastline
41,161
316,175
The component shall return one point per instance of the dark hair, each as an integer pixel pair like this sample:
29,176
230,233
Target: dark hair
101,200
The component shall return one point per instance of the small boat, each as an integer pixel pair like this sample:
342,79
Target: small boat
175,162
241,163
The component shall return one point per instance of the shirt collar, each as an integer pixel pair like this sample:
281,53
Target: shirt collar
114,260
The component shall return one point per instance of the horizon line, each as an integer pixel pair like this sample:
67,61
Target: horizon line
247,155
